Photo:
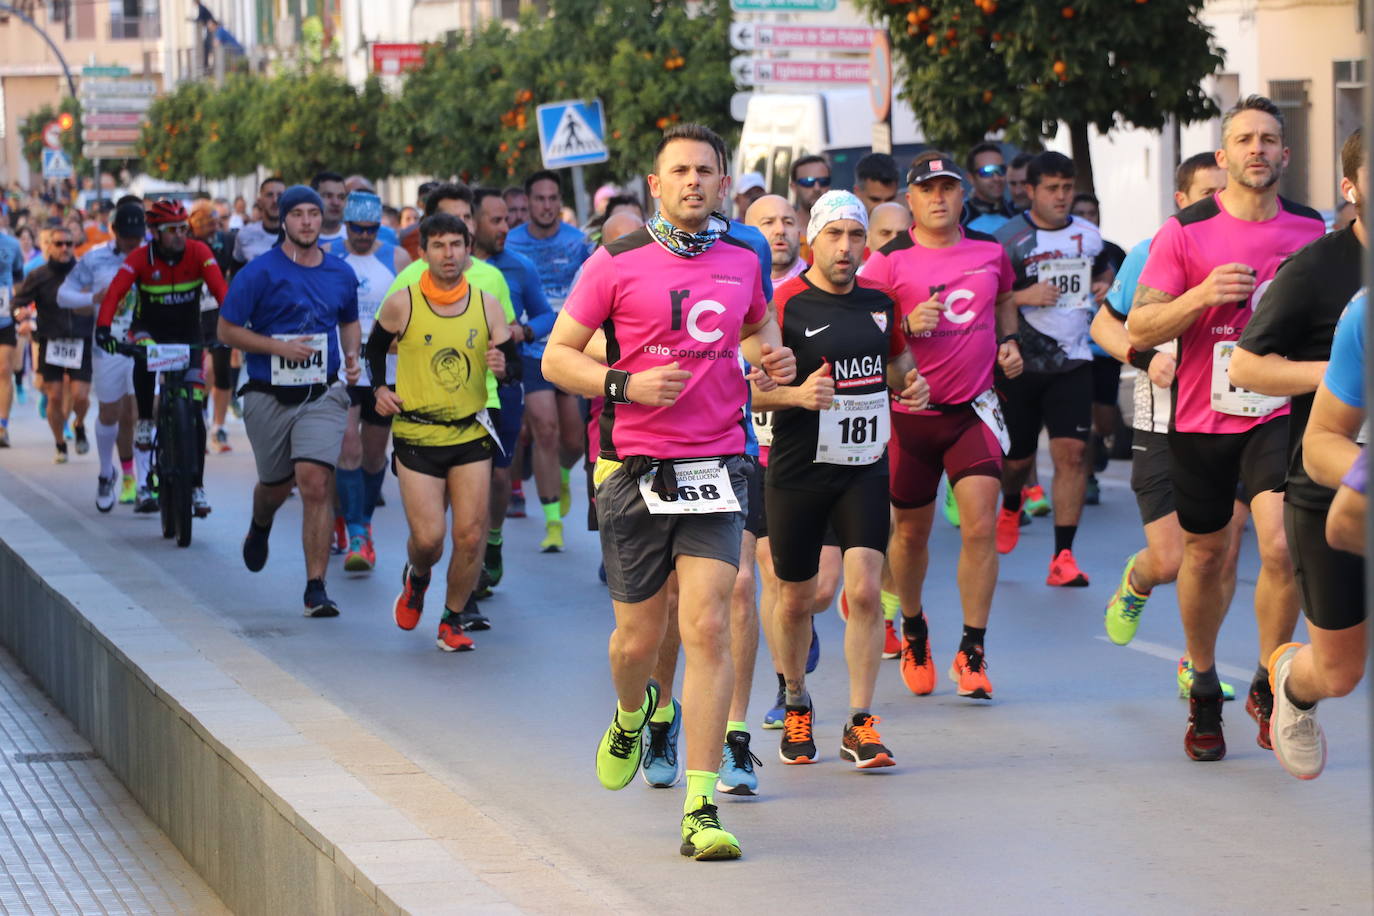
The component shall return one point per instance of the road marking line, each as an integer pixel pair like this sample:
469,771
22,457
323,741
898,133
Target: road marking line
1171,654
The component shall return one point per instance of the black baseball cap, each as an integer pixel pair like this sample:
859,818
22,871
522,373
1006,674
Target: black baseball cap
933,168
129,221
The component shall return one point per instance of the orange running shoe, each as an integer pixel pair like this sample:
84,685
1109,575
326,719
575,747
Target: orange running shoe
1008,529
1064,571
918,668
1033,498
892,646
451,635
410,603
970,672
863,745
798,742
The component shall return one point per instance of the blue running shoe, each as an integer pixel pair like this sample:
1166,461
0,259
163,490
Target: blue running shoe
737,764
813,655
661,770
773,717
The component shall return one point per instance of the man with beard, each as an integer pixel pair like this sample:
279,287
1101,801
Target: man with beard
1207,267
64,353
295,297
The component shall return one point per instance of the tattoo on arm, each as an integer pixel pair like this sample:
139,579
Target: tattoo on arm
1148,295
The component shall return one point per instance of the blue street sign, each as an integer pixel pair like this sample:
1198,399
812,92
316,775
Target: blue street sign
571,133
56,164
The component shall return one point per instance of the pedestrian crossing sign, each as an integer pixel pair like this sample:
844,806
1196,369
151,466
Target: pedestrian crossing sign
57,164
571,133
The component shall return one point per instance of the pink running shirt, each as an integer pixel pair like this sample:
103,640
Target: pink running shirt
958,356
1189,246
657,308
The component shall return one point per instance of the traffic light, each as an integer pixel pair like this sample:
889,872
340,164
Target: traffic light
65,120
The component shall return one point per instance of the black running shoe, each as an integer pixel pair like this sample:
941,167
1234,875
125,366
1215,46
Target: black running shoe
1260,705
1204,741
317,600
798,740
470,618
254,546
863,745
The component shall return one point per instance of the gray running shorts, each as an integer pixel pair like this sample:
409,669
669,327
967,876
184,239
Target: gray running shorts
282,434
639,548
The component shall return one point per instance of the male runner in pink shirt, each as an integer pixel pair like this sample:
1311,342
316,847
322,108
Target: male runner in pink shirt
678,301
1207,268
953,287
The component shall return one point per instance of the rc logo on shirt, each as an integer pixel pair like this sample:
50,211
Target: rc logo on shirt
955,298
695,314
880,319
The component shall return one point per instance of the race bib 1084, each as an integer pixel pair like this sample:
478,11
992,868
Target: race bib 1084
296,372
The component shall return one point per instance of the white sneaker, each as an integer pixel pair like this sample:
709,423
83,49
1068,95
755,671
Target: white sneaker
105,493
200,503
1297,736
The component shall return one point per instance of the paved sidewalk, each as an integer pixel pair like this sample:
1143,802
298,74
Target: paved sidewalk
72,839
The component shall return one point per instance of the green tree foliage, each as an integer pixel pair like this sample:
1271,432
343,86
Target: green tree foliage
175,133
975,67
470,109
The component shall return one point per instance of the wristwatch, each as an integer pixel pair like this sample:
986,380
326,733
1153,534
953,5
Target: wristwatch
1013,337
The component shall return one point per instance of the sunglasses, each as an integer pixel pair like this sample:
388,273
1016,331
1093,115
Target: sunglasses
816,181
991,171
364,228
61,244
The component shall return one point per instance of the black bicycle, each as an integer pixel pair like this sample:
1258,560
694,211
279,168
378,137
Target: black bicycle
176,444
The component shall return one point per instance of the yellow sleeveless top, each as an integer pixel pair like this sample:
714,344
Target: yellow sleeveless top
441,374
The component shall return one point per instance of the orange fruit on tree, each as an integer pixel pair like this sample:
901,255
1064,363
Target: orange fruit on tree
931,41
987,96
1060,68
912,18
1067,12
923,12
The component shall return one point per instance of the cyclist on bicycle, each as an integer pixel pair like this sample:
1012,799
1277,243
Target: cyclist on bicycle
169,272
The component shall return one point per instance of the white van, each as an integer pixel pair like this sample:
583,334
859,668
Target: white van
837,123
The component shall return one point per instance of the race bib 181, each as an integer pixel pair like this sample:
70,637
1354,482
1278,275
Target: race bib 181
854,429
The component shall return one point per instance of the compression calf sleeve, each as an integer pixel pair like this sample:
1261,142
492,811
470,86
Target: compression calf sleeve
105,435
352,498
372,490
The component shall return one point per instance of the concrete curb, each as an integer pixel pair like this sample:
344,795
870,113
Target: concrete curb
265,814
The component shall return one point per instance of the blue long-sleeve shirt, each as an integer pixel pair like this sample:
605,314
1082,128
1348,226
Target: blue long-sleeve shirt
526,292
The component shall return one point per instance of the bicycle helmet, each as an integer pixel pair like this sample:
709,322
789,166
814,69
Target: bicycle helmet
166,213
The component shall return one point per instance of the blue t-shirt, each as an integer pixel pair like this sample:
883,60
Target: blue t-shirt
388,235
11,274
274,295
756,241
1345,372
988,223
526,293
556,258
1122,293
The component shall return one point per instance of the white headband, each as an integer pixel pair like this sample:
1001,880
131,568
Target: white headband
835,205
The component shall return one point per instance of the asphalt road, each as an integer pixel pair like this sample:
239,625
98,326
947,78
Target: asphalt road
1069,792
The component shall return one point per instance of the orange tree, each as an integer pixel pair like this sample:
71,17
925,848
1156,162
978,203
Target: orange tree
308,122
470,109
174,133
31,132
975,67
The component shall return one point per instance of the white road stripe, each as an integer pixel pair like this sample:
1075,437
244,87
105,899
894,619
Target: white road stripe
1173,655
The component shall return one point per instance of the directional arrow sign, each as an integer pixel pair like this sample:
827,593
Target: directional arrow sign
754,71
88,72
116,135
97,88
747,36
113,119
109,151
118,103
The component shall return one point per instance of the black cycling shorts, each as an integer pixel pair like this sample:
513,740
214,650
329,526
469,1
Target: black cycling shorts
1331,581
798,520
1061,402
1205,468
1106,381
8,338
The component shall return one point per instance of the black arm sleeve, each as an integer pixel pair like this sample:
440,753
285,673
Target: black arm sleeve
515,367
378,343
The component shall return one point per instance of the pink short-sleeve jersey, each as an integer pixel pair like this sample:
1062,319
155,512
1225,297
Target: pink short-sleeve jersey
958,356
1189,246
657,308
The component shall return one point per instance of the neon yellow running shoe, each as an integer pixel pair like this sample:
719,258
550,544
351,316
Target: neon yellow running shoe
564,499
1185,682
951,506
553,538
618,755
703,838
128,491
1123,610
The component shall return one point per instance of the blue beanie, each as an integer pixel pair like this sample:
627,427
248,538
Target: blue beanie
362,207
296,195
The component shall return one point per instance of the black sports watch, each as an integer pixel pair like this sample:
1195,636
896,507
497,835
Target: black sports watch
1014,337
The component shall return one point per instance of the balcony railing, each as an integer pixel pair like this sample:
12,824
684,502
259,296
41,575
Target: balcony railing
135,27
